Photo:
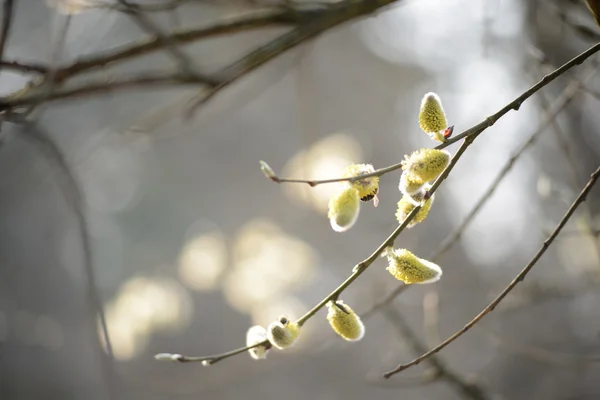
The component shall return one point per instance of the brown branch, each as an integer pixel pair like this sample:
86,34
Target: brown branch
468,390
23,67
511,286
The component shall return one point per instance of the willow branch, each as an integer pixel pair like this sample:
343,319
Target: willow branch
473,131
582,196
358,270
559,104
468,390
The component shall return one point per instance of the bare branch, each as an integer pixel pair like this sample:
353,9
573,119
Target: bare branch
582,196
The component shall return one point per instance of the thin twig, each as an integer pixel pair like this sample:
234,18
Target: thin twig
473,131
7,17
23,67
469,390
145,23
146,80
510,287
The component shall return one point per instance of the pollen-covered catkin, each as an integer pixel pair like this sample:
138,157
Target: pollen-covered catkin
344,208
406,205
367,187
425,165
408,268
432,118
283,332
409,187
344,321
255,335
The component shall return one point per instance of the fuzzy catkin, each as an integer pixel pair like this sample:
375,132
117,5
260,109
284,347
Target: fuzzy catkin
425,165
406,205
344,321
283,333
367,187
408,268
432,118
344,208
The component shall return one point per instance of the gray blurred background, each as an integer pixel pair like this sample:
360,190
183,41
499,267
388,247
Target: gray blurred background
192,245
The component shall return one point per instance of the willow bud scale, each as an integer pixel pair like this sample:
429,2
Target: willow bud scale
344,321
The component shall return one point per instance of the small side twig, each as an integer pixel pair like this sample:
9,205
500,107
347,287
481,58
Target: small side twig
471,132
582,196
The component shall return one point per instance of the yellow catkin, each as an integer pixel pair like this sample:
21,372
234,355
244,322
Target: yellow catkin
408,186
344,321
283,332
406,205
344,208
255,335
408,268
432,118
425,165
368,187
